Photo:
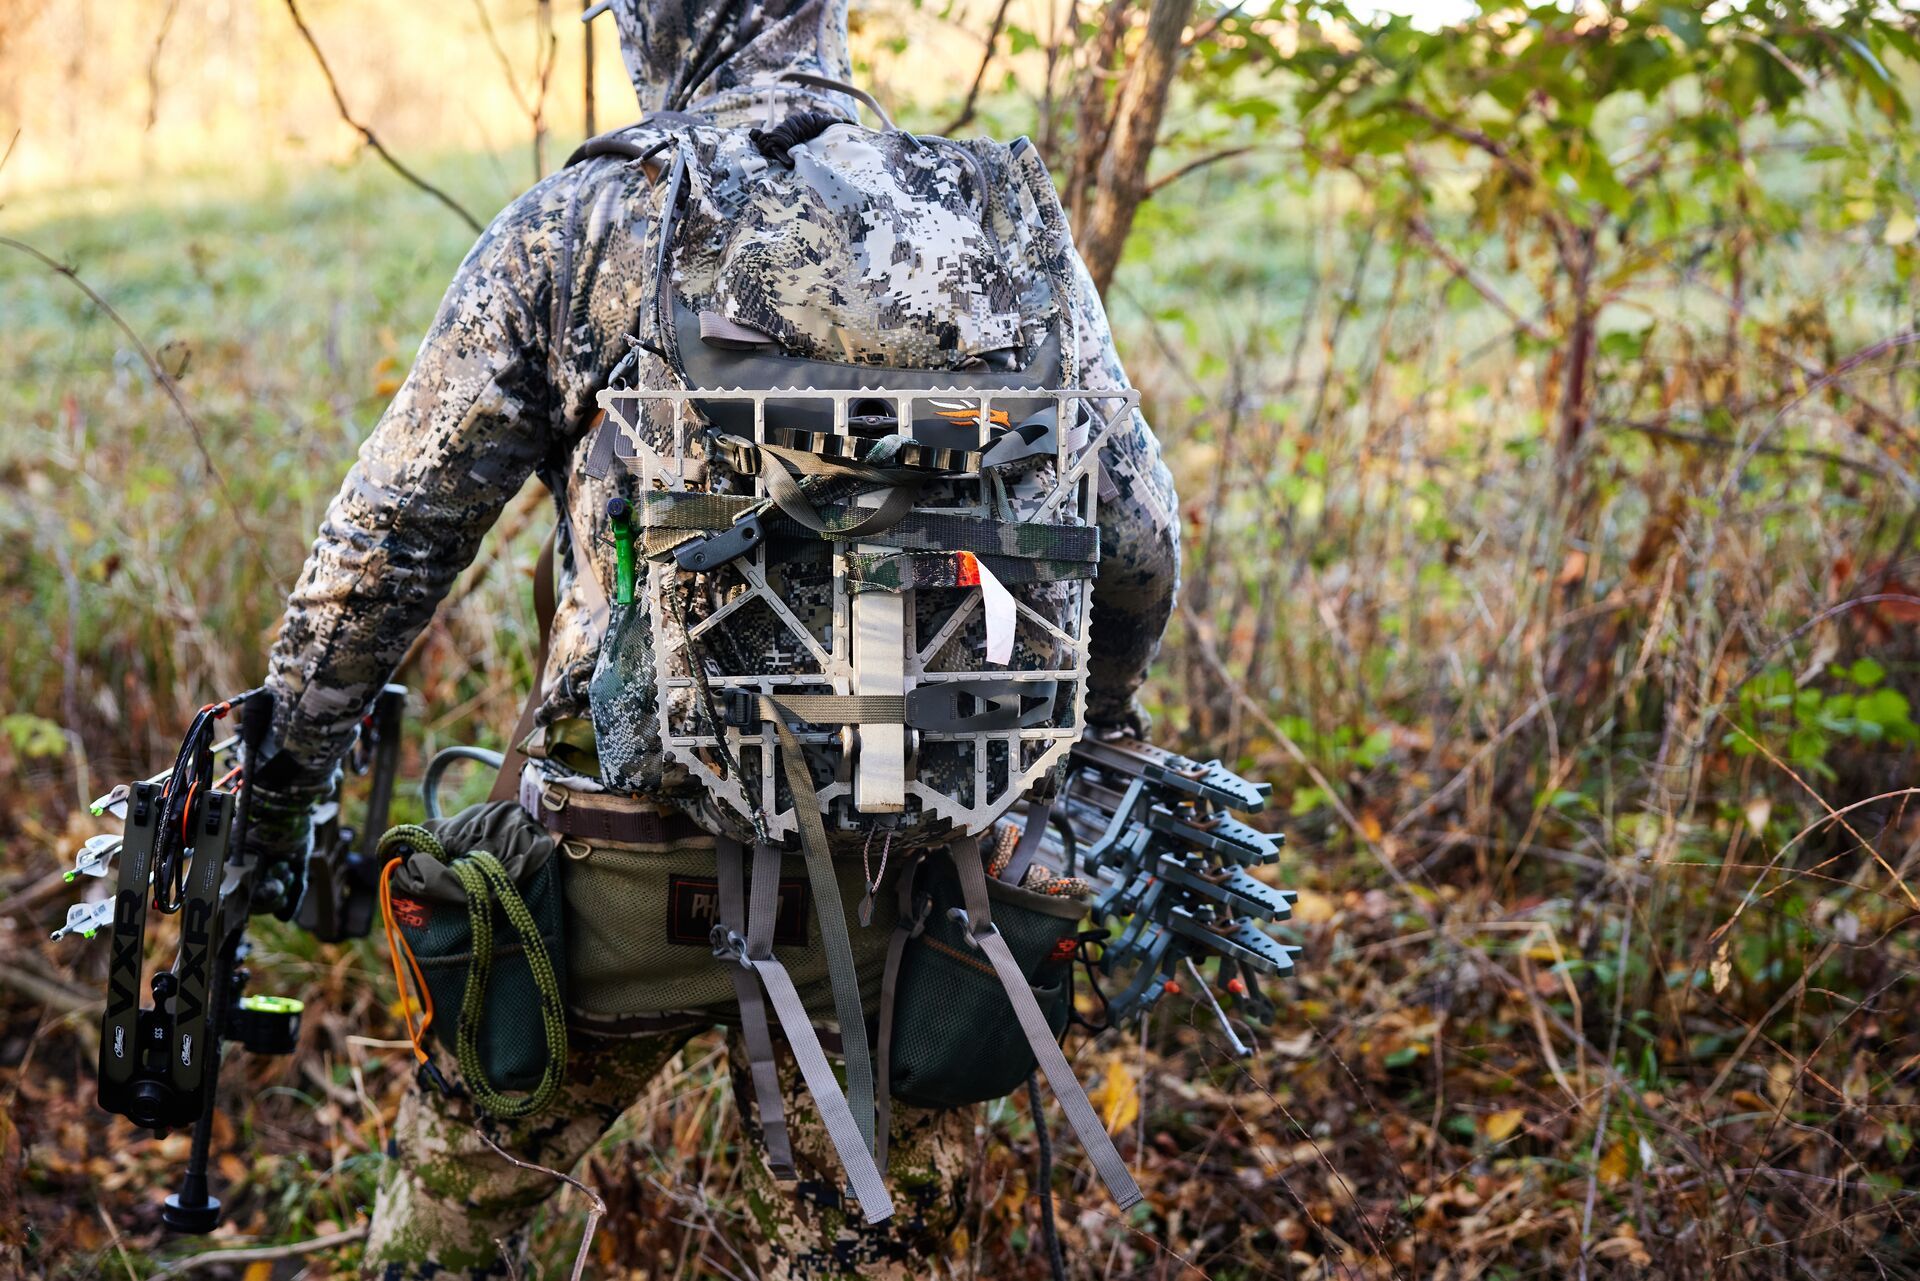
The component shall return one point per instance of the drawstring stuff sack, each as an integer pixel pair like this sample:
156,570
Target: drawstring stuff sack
473,910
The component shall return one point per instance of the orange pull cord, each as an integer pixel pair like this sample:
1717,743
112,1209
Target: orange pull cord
186,813
396,947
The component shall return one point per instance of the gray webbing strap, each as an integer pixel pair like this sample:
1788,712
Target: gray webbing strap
731,865
869,1188
1073,1100
1038,815
842,975
905,928
867,1185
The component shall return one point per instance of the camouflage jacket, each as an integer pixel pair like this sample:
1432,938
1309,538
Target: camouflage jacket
504,387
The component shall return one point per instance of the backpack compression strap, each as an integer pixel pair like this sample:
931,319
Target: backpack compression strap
977,919
755,952
730,864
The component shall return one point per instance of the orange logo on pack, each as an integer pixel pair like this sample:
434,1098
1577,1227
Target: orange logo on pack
1062,949
998,417
410,912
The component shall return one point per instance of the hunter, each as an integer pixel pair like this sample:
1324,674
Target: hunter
534,325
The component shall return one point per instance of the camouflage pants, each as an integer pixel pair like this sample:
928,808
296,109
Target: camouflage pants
448,1203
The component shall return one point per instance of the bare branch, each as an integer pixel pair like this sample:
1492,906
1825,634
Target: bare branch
1192,166
1424,235
373,141
1660,432
596,1209
980,76
167,385
28,977
1213,24
1120,173
153,63
500,55
543,70
586,35
261,1253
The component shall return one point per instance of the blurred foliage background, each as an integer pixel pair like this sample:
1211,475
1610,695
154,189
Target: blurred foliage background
1541,387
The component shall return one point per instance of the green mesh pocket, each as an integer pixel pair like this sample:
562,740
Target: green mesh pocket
955,1037
625,704
504,1020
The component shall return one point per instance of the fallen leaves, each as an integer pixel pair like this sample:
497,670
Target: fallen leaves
1117,1099
1501,1125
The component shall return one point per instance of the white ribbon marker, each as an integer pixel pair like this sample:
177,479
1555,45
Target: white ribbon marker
997,603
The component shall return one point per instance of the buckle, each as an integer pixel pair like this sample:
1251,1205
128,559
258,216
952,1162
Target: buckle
740,455
553,797
971,935
729,946
740,708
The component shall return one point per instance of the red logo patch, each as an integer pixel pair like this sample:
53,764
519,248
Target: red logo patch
410,913
1062,949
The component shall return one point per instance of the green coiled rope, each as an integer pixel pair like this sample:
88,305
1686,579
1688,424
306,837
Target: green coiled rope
486,881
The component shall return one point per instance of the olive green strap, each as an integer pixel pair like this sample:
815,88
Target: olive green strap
485,880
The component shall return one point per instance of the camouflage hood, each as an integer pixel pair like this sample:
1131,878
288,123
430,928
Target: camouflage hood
711,55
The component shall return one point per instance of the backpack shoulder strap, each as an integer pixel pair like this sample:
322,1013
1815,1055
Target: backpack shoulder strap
506,784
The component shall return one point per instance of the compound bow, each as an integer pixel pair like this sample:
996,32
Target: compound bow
184,852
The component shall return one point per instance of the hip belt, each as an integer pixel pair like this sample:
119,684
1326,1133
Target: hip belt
599,817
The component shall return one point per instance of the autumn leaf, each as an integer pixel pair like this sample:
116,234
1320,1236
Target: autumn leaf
1614,1165
1626,1247
1313,908
1118,1098
1501,1125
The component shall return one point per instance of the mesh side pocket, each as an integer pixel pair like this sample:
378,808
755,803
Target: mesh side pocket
955,1038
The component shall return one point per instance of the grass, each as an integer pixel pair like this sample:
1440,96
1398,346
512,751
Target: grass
1593,982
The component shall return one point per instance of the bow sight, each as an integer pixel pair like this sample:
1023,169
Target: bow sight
184,853
1156,833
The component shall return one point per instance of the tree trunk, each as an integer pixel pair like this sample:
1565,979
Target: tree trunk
1576,390
1093,118
592,128
1122,168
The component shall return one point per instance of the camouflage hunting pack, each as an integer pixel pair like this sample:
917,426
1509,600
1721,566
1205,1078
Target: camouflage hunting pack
856,540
